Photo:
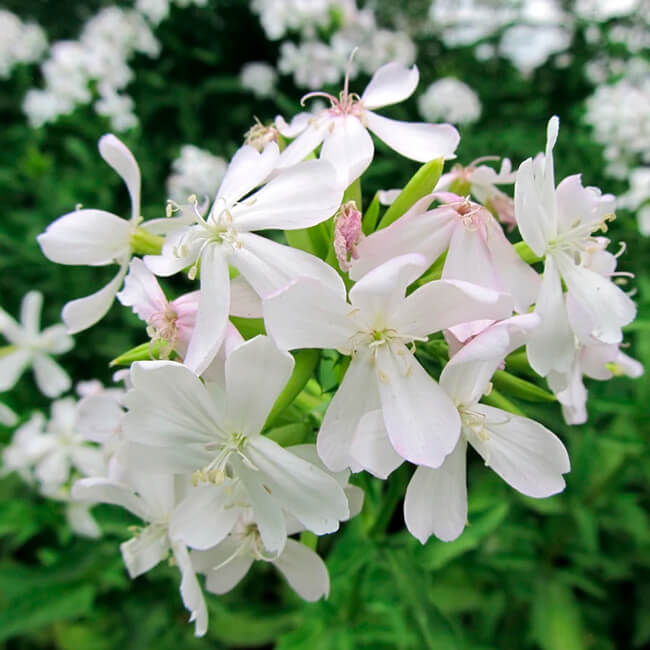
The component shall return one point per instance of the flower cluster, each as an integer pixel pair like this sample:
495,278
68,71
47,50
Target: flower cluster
344,340
195,171
21,42
451,100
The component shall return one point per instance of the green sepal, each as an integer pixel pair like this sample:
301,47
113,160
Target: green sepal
461,186
521,388
289,434
371,217
526,253
144,352
499,401
145,243
305,364
248,327
421,184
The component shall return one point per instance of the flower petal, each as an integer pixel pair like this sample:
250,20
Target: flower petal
191,593
349,148
51,378
371,447
415,140
422,422
535,224
118,156
88,237
12,366
103,490
304,570
244,302
392,83
145,551
436,499
305,143
142,291
30,312
522,452
222,579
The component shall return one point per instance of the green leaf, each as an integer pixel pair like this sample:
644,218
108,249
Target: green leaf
421,184
248,327
288,434
521,388
556,620
499,401
143,352
371,216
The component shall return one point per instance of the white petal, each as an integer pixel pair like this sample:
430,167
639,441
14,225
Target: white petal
422,421
256,369
441,304
415,140
371,446
380,293
247,169
143,552
204,517
244,301
552,345
269,266
304,570
118,156
535,224
81,521
103,490
54,469
12,365
300,197
223,569
304,144
436,499
99,417
307,492
142,291
51,379
522,452
168,459
212,316
418,231
356,396
191,593
82,313
297,125
309,314
88,461
30,311
392,83
349,148
169,262
89,237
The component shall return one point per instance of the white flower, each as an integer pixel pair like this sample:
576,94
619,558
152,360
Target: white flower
197,172
557,224
298,198
31,347
177,424
451,100
529,46
7,417
521,451
258,77
343,128
387,407
21,42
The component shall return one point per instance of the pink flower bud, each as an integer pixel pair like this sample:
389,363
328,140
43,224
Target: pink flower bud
347,234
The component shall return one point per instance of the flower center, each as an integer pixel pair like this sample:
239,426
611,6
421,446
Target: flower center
217,469
580,237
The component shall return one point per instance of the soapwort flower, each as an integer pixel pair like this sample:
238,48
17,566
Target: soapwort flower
343,127
31,347
387,407
521,451
298,198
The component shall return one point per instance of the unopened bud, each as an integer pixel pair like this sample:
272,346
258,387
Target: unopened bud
347,234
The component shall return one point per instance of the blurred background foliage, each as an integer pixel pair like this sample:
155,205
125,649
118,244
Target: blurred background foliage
567,573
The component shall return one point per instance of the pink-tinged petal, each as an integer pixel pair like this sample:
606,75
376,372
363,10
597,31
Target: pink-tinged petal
247,169
144,552
88,237
297,125
118,156
371,447
204,517
356,396
576,203
226,568
300,197
244,302
441,304
629,366
191,593
257,367
467,376
534,223
525,454
305,143
516,277
103,490
12,366
82,313
304,570
607,308
214,306
380,293
142,291
51,378
552,345
391,84
418,231
415,140
436,499
349,148
270,267
422,422
304,490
